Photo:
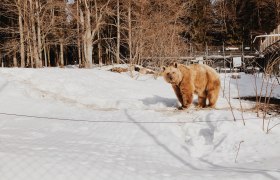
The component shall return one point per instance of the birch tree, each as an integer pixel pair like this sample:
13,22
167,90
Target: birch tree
91,19
21,32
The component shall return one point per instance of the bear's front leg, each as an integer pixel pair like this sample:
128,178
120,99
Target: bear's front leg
187,90
187,100
178,93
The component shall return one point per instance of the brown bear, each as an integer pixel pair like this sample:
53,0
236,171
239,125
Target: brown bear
197,79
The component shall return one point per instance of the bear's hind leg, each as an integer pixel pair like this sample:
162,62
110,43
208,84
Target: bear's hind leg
213,92
212,96
201,100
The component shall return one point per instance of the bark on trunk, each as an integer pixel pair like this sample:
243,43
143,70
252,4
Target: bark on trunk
61,55
15,59
22,53
78,39
88,39
39,33
118,33
129,33
34,37
98,38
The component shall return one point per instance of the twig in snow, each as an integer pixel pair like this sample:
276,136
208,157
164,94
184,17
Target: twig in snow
269,129
238,151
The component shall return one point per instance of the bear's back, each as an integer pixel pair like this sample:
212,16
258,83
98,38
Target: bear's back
205,70
200,75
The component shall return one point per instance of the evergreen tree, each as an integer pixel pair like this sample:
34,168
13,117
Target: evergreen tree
256,17
198,21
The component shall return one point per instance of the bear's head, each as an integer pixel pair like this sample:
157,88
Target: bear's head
172,74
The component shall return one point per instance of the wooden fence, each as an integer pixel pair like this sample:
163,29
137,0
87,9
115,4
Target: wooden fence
270,39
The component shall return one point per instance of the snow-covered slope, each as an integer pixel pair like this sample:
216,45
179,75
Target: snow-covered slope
58,124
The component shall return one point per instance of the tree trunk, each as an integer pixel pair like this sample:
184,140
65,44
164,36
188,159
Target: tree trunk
88,50
88,39
34,37
129,33
49,55
100,61
39,33
1,59
45,54
15,59
22,53
118,33
79,52
61,54
140,46
98,38
29,51
78,39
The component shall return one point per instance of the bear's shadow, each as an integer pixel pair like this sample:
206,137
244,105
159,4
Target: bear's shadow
169,102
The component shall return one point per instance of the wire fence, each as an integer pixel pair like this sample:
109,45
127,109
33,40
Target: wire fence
121,121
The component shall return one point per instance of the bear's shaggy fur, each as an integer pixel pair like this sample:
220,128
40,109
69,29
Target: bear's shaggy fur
197,79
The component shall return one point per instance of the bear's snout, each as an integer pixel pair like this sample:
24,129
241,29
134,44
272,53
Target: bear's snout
169,75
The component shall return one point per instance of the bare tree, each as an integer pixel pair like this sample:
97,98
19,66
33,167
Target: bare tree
22,51
91,18
150,31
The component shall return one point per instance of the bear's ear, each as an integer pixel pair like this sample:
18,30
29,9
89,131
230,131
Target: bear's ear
175,65
163,68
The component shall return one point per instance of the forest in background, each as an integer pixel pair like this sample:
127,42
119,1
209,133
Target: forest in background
43,33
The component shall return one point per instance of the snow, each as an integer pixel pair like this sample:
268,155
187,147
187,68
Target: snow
71,123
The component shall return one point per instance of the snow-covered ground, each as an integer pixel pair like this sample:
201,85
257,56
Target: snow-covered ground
69,124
